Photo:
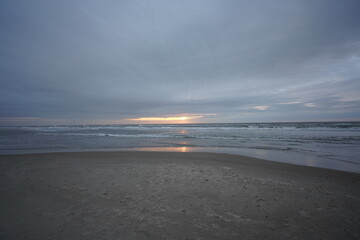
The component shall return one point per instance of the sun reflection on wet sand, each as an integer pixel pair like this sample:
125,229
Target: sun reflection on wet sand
183,149
310,161
261,154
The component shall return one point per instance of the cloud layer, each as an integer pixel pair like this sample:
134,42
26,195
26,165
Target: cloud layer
230,61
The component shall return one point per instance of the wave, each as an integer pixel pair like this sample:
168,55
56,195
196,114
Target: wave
119,135
275,139
170,136
302,126
272,148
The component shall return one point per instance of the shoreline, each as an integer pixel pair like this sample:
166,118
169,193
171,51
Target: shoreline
172,195
186,150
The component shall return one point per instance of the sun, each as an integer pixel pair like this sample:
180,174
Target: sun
165,120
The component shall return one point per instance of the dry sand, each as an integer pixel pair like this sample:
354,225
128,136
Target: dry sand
153,195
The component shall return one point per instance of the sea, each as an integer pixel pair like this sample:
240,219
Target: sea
334,145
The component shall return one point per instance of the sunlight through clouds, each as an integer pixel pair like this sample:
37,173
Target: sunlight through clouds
310,105
261,108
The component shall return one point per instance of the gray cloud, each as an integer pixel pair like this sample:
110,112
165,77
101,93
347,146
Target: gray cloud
104,60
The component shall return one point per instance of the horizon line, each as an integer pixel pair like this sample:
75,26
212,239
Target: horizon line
256,122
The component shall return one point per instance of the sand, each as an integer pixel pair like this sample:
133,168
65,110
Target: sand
154,195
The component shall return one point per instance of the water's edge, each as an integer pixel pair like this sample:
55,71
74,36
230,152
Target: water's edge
332,145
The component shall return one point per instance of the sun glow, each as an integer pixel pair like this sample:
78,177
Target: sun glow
180,119
161,119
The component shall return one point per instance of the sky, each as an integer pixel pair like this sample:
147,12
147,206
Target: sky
188,61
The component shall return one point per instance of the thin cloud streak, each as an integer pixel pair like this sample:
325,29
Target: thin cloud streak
261,108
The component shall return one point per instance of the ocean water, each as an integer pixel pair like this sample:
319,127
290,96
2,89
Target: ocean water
333,145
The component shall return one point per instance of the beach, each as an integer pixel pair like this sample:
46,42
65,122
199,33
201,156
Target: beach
173,195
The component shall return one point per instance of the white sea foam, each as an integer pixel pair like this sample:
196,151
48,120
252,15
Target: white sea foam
313,140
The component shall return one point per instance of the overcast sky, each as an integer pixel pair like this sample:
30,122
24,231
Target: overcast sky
83,61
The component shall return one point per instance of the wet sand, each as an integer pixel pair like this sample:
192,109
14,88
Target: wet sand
157,195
